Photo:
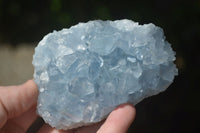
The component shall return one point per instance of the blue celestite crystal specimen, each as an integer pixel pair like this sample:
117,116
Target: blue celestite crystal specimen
85,71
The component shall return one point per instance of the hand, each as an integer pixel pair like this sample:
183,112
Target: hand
18,112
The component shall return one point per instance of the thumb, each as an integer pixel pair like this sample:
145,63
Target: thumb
119,120
15,100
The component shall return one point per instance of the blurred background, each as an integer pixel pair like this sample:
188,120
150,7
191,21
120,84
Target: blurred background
23,23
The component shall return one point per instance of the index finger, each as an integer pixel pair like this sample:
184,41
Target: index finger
15,100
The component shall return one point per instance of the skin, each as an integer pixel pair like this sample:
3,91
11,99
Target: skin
18,112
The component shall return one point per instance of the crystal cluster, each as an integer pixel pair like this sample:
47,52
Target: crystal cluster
84,72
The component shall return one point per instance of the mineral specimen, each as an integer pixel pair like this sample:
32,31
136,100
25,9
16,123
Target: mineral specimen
85,71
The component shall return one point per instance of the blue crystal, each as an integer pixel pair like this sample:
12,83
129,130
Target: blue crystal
85,71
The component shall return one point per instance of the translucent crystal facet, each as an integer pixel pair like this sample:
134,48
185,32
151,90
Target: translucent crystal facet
84,72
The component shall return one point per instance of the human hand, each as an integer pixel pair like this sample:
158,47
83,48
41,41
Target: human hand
18,112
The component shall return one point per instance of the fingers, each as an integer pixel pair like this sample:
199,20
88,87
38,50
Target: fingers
21,123
3,114
119,120
26,119
47,129
15,100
